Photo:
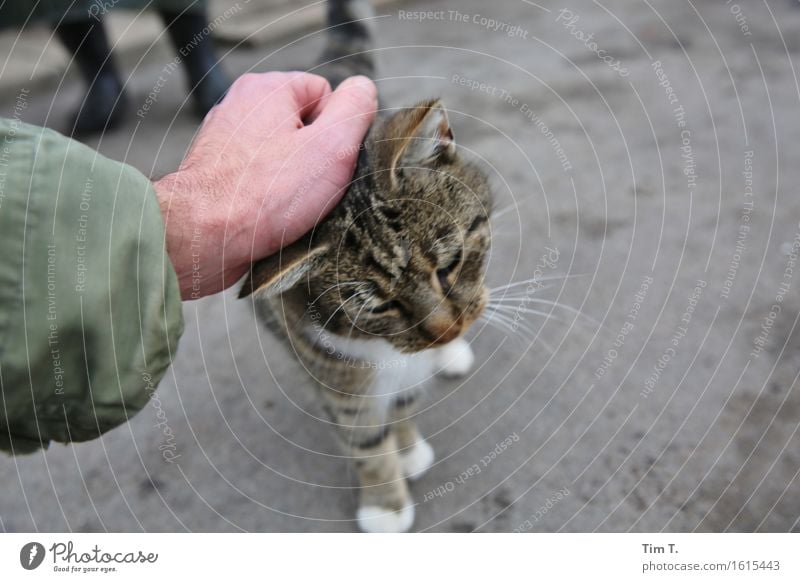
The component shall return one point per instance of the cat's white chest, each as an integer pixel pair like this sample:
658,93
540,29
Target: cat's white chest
395,372
398,372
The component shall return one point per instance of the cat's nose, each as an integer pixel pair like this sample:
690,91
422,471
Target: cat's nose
442,329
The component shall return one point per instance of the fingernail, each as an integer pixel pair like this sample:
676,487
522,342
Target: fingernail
362,83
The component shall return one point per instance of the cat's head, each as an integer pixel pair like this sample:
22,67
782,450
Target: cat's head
402,257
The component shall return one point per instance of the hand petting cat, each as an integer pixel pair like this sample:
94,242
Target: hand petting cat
269,162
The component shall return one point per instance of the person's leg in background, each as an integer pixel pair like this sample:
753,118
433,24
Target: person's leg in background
105,104
192,41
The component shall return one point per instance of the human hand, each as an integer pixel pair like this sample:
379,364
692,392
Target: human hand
268,163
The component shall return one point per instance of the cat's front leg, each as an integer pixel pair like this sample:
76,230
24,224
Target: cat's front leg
385,504
416,454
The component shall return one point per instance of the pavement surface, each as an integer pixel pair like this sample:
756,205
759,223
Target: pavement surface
649,147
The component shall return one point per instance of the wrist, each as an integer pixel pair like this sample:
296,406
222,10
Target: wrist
173,192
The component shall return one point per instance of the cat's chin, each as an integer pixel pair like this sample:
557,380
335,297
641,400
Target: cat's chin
424,346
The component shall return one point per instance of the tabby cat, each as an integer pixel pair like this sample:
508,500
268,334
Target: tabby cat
376,299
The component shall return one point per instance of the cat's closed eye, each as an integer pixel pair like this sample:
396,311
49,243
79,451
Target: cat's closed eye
386,307
479,221
443,274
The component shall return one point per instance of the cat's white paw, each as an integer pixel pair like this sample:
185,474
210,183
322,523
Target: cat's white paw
456,358
375,519
417,459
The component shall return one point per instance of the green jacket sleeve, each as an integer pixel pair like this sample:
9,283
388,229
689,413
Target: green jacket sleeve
90,310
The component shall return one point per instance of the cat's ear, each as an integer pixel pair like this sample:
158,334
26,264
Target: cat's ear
283,270
428,137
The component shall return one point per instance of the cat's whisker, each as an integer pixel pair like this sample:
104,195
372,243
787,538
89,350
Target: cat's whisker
512,313
546,278
495,324
354,321
513,322
335,311
333,362
515,293
569,308
517,302
301,322
517,306
499,323
508,299
512,310
502,212
503,325
536,280
505,289
336,286
309,307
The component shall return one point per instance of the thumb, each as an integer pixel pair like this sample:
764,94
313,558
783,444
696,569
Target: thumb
345,115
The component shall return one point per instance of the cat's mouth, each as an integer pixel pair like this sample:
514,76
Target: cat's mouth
438,337
444,332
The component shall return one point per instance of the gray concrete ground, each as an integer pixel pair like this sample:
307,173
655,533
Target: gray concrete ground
669,180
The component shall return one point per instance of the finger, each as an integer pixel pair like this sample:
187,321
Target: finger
344,116
308,91
263,98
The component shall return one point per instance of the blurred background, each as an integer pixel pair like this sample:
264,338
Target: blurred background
648,147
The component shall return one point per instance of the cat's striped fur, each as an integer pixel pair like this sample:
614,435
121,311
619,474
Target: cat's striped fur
375,300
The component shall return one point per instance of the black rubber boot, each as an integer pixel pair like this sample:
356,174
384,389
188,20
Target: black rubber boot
208,83
105,105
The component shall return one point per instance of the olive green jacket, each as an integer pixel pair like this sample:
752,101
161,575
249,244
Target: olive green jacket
90,310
